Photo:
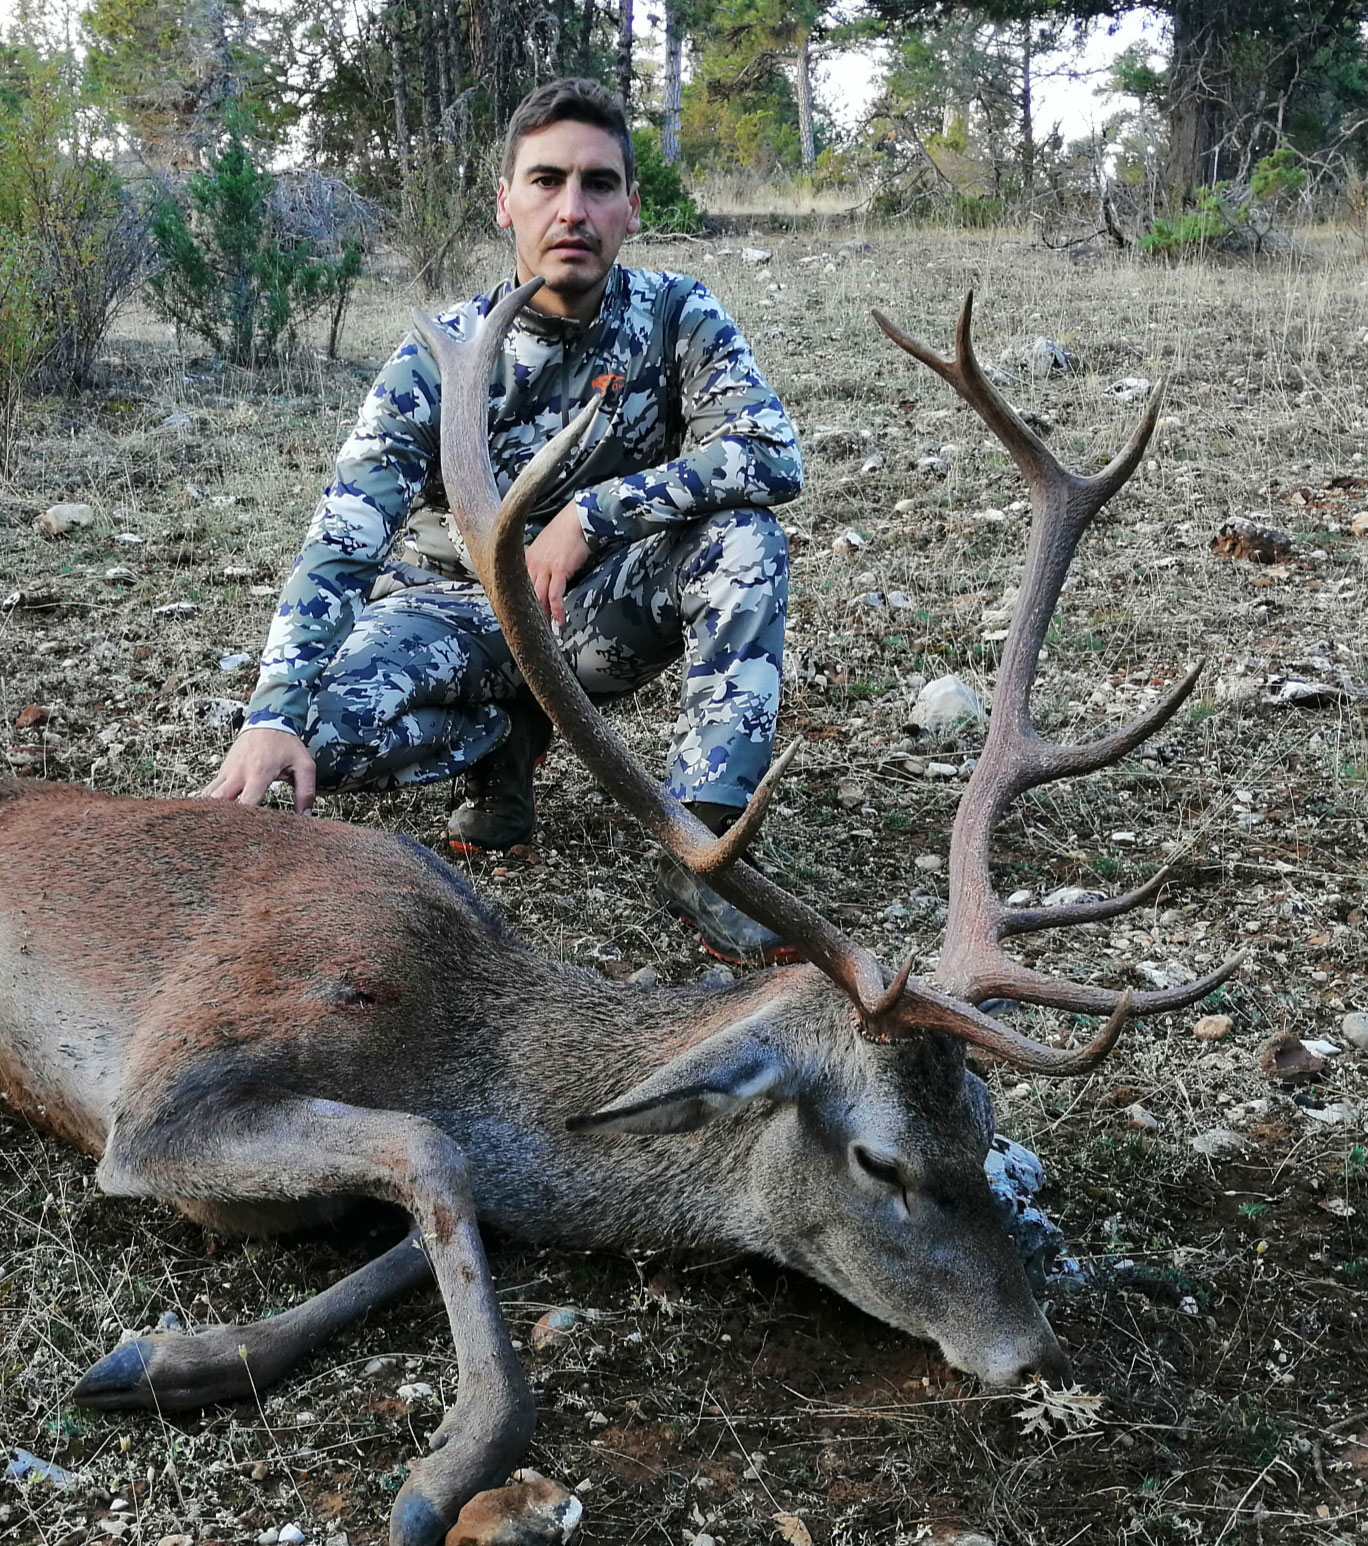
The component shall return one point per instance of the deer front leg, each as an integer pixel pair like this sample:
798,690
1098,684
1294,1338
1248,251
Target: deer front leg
179,1371
262,1143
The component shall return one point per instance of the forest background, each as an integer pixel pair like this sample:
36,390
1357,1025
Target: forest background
240,157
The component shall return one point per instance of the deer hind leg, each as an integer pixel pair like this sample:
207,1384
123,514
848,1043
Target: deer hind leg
260,1142
177,1371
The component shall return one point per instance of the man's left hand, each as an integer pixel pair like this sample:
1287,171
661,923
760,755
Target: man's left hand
554,557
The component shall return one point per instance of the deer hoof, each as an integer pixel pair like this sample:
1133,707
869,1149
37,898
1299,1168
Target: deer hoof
414,1521
120,1379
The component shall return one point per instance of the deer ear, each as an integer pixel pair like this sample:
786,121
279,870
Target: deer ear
711,1080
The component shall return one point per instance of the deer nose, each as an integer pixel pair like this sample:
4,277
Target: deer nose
1052,1365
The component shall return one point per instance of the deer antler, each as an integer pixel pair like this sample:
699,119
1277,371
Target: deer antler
494,536
1015,757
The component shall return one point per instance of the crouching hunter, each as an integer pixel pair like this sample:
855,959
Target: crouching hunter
385,665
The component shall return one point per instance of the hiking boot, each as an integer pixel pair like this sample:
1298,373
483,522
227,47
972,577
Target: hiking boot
499,810
726,931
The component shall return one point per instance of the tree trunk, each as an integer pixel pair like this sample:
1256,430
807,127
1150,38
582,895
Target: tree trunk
432,95
674,68
624,54
586,43
399,81
1196,106
805,143
1027,124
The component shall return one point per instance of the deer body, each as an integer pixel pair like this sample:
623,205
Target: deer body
250,981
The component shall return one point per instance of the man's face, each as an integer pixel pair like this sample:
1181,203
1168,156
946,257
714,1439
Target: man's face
569,208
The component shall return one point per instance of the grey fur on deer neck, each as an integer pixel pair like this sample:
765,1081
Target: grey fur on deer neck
535,1178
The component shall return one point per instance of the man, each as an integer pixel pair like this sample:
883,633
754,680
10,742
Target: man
658,541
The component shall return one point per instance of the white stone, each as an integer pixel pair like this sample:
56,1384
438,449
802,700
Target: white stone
929,863
292,1535
755,255
872,463
1137,1116
1218,1141
1354,1029
176,609
941,770
418,1390
1129,388
120,573
57,520
946,701
1165,974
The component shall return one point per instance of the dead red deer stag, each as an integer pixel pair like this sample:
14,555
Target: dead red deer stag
259,1017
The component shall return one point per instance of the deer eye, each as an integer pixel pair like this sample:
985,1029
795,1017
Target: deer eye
883,1171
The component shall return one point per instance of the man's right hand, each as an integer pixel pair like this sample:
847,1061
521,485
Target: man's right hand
255,760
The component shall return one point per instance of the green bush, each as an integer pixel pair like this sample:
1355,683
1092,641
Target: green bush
666,204
72,242
230,267
1229,215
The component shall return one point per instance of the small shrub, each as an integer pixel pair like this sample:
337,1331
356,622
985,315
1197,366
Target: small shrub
666,204
1229,216
437,215
72,242
232,270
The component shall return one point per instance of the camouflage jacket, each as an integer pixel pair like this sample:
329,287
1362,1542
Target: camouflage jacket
688,425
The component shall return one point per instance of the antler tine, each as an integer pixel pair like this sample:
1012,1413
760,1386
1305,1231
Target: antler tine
972,964
965,374
494,534
1031,920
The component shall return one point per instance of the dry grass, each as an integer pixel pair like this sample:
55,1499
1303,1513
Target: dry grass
1225,1425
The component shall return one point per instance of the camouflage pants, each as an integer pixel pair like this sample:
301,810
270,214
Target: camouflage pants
415,692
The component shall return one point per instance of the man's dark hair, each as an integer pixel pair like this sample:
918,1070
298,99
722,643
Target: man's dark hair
573,100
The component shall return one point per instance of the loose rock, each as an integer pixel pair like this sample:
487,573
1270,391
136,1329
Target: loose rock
1213,1027
1218,1141
1137,1116
532,1512
58,520
1129,388
554,1327
929,863
1354,1028
1286,1057
850,795
755,255
1239,537
946,701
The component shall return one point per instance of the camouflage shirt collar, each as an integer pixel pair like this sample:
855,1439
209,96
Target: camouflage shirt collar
570,330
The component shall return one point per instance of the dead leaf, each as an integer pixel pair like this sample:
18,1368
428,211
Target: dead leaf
793,1530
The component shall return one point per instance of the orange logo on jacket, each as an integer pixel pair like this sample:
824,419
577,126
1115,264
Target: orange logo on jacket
608,384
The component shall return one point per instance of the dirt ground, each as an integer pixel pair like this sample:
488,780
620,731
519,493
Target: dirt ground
1221,1315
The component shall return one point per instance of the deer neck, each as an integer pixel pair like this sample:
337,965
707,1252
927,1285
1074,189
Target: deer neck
585,1043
